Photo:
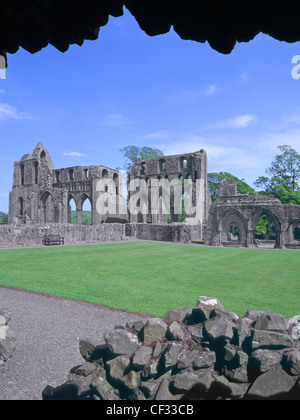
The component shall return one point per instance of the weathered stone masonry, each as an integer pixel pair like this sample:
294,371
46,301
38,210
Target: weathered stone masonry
41,196
243,212
200,353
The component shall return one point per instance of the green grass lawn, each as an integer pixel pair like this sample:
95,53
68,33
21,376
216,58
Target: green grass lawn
152,277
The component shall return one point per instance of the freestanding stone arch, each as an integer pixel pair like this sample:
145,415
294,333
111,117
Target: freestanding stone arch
245,211
259,213
48,211
233,218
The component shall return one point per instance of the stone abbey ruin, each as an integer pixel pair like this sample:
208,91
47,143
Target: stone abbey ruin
168,200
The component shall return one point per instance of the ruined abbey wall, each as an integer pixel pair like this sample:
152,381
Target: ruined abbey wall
168,200
42,194
21,236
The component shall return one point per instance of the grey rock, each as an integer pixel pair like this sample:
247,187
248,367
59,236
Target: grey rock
243,330
92,350
237,375
263,360
163,393
171,355
226,389
4,313
196,332
122,342
204,359
7,343
103,390
86,369
157,349
154,330
205,307
185,359
142,356
219,328
188,379
271,340
139,325
176,332
292,362
268,321
132,381
272,384
150,370
150,387
177,314
117,367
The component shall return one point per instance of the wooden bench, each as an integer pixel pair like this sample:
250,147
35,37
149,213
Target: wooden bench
49,240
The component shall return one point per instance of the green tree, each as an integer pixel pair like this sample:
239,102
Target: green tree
133,154
283,177
215,179
3,219
264,227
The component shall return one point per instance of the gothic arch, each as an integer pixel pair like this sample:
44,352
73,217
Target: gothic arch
48,211
69,208
233,227
84,198
273,218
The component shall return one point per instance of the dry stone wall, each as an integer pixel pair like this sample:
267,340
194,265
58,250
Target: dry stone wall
196,353
30,236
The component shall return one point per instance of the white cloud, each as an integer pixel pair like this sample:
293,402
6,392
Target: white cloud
10,112
116,120
75,154
162,134
241,121
210,90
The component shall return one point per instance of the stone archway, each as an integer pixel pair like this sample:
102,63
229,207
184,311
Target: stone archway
48,210
233,229
276,224
72,207
85,210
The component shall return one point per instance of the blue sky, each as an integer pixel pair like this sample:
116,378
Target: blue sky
127,88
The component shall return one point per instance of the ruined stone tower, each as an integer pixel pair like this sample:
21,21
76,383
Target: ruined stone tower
170,189
42,194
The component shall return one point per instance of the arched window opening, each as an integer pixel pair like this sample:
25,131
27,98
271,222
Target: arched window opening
48,207
87,173
71,174
234,234
22,174
72,211
162,165
57,176
21,206
116,181
265,233
265,229
104,173
143,168
183,163
297,233
43,154
36,173
87,215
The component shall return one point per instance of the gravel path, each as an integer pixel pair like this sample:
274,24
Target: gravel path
47,330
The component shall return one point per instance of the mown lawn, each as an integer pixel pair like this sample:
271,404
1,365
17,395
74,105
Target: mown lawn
152,277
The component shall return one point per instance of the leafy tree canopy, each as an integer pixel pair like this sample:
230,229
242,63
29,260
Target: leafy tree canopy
215,179
283,177
134,154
